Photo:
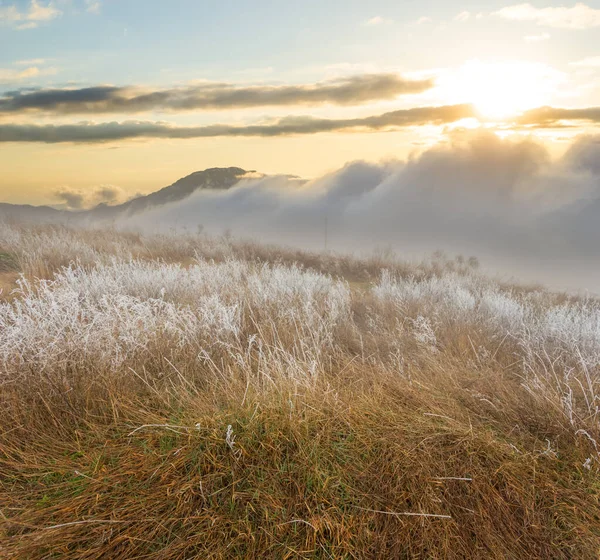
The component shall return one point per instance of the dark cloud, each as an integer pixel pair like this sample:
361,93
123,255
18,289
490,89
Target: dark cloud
353,90
106,132
82,132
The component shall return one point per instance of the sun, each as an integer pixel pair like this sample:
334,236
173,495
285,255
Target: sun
499,90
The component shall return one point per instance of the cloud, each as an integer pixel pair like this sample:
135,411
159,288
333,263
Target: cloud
72,200
31,62
10,15
112,131
11,75
463,16
78,199
39,12
354,90
504,200
93,6
378,20
108,194
589,62
548,116
90,132
579,16
537,38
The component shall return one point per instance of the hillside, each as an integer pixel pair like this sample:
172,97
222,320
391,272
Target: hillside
193,397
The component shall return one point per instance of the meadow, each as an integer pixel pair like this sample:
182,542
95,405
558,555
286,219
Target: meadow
183,396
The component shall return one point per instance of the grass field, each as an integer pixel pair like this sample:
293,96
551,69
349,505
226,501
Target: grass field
181,396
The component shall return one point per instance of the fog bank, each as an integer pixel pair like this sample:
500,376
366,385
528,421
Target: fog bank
504,201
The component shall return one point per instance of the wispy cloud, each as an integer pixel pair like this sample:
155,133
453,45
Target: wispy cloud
30,18
12,75
93,6
354,90
30,62
589,62
537,38
86,132
579,16
378,20
463,16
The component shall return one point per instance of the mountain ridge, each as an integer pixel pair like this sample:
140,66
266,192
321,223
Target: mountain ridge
212,178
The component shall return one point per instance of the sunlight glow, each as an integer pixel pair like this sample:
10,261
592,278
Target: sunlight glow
502,89
465,124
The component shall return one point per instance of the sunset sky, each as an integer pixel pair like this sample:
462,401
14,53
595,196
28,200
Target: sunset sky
134,94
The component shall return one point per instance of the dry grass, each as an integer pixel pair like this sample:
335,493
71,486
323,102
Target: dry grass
237,405
42,250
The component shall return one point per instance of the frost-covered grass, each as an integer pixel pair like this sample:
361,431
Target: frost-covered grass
175,397
122,313
553,344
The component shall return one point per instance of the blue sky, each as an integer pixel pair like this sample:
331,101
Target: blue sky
152,41
539,53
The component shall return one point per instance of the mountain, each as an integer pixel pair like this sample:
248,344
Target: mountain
213,178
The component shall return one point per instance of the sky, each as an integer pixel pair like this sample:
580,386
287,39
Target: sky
125,96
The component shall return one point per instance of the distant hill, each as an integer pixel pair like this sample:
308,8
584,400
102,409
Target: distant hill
28,213
213,178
